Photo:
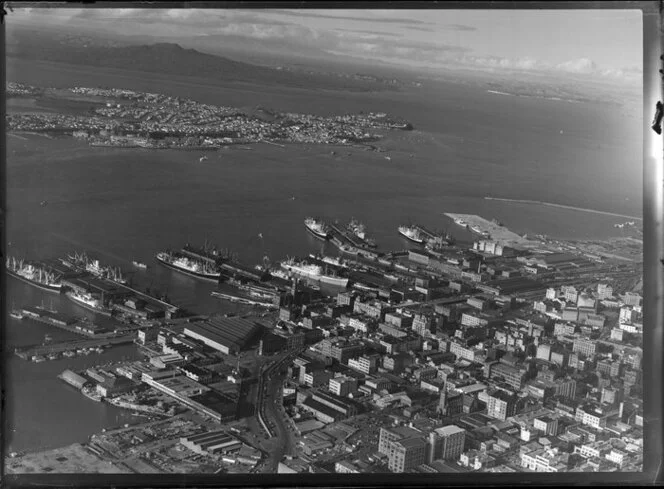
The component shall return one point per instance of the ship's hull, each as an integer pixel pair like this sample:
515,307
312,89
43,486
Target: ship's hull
414,240
85,305
320,235
48,288
326,279
202,276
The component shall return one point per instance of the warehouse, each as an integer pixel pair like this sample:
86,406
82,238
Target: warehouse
212,442
227,335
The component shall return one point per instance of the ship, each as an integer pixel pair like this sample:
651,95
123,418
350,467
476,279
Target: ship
412,233
91,393
16,314
359,230
110,273
82,263
195,268
313,272
317,227
139,264
87,301
479,231
330,260
34,274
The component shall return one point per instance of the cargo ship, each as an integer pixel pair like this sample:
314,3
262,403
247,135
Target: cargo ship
330,260
34,274
110,273
359,230
82,263
412,233
317,227
313,272
87,301
196,268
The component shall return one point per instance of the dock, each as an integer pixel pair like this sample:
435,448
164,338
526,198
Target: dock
496,232
429,235
44,350
61,321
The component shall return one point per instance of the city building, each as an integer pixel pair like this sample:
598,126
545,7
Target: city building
446,443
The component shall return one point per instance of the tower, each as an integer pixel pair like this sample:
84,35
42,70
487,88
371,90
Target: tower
442,401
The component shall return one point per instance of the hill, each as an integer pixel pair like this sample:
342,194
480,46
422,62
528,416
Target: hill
169,59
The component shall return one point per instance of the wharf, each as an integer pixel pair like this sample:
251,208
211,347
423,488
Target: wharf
427,233
242,300
496,232
351,244
44,350
53,318
148,298
200,254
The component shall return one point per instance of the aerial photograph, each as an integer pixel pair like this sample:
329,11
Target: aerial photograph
308,241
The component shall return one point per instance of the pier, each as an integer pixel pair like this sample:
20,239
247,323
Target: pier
44,350
61,321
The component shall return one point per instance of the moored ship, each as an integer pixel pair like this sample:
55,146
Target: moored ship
89,302
359,230
196,268
317,227
313,271
412,233
82,263
331,260
34,274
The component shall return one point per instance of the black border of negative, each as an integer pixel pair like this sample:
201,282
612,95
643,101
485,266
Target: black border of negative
653,206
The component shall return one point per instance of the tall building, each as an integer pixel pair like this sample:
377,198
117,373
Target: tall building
406,454
446,443
501,405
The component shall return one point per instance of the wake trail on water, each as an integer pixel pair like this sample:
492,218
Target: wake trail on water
561,206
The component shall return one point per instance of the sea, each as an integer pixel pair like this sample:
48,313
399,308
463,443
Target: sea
121,205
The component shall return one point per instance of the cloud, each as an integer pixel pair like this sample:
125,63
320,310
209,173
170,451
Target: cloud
460,27
581,65
382,19
369,33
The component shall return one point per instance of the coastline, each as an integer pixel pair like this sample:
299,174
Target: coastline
562,206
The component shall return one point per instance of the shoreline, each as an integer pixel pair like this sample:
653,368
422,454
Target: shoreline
562,206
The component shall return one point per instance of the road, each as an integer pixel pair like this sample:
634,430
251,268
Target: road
270,410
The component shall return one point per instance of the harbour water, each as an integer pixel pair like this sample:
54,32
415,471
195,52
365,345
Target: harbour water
121,205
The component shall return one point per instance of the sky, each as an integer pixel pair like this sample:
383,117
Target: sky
590,42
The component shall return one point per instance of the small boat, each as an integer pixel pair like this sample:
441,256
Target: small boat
53,356
43,203
69,353
16,314
139,264
38,359
202,159
260,235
